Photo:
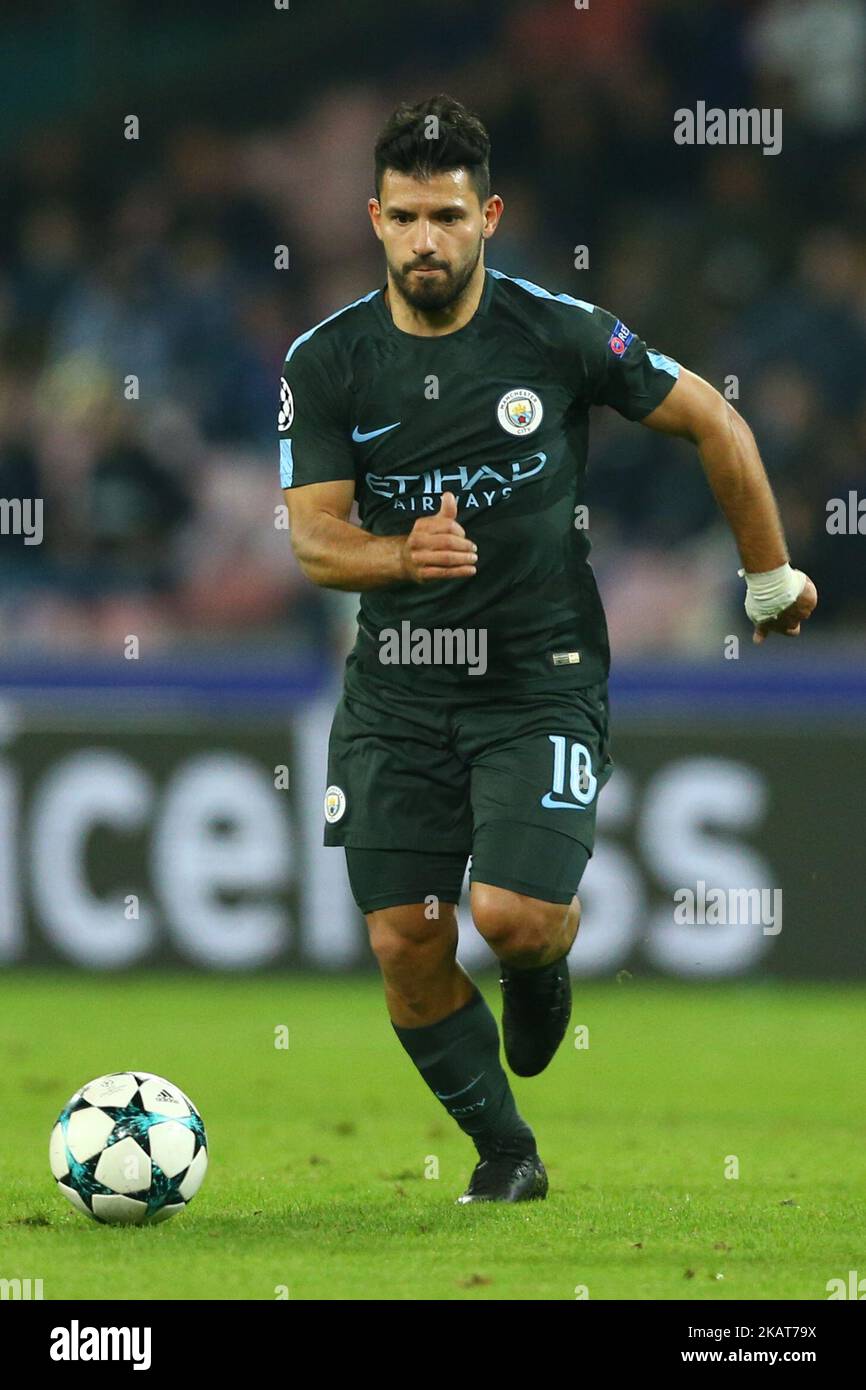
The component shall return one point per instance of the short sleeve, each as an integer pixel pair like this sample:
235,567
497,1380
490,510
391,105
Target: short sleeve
315,445
621,371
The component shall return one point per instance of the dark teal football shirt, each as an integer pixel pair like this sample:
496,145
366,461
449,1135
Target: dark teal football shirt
497,413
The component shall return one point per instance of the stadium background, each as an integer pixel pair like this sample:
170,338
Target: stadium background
164,807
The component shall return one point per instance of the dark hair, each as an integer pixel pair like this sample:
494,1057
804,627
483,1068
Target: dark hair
461,142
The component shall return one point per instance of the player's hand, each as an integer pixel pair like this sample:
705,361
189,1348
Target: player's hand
437,547
789,622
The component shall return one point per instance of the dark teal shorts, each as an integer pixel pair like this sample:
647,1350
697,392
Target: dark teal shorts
523,859
511,780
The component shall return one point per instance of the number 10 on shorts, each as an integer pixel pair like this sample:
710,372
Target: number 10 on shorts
582,780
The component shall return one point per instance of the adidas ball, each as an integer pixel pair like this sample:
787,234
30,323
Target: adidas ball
129,1148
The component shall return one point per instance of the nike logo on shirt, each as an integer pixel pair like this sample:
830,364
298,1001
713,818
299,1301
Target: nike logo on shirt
360,438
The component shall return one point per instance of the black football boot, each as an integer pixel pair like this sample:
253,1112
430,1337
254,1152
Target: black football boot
536,1009
506,1178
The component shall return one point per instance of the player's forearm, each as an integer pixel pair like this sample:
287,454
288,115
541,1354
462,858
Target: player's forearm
336,554
740,485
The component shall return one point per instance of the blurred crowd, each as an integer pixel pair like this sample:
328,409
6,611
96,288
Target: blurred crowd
143,321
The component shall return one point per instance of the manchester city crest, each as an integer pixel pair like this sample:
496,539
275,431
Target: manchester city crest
335,804
520,411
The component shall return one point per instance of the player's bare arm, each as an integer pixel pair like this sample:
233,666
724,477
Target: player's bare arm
336,554
696,411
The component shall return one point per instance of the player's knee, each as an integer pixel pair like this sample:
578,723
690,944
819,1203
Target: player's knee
403,938
515,927
573,920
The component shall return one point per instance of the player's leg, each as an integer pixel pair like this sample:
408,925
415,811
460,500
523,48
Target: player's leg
537,768
438,1014
423,980
396,789
530,925
524,931
531,939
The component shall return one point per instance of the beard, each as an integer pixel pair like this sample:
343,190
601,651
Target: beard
433,292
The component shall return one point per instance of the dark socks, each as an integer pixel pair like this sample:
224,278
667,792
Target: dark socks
458,1057
537,977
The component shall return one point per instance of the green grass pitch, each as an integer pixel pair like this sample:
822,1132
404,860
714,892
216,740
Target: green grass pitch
317,1186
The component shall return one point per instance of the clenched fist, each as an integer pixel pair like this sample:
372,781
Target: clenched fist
789,621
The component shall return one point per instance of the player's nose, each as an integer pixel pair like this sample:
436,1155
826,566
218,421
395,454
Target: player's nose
424,243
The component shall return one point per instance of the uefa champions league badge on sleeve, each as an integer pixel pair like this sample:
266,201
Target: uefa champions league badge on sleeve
335,804
619,339
520,411
287,405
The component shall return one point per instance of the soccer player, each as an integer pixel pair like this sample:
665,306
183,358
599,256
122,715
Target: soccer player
452,405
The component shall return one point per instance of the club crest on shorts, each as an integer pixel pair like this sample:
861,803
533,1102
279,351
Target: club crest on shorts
287,405
520,411
335,804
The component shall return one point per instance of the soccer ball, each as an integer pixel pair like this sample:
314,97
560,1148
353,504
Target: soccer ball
128,1149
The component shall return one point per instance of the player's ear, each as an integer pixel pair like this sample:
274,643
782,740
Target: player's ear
374,208
493,209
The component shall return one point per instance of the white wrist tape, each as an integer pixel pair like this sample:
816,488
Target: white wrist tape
769,594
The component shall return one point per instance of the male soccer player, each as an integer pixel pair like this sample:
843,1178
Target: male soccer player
452,404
